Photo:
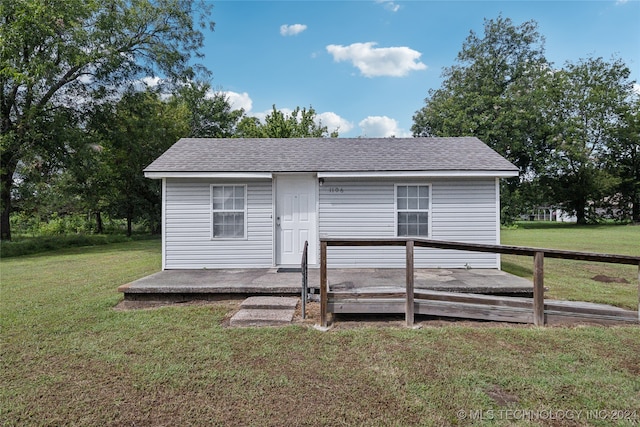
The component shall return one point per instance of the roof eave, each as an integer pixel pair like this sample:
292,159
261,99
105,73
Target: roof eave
217,175
422,174
339,174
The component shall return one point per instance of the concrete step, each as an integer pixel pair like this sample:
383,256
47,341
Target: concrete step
262,317
270,303
265,311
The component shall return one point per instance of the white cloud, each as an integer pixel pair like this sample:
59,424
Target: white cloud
239,100
292,30
636,88
86,79
378,61
381,127
389,5
154,83
151,81
334,122
622,1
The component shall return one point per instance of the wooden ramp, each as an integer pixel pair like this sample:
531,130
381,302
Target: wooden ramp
477,307
411,300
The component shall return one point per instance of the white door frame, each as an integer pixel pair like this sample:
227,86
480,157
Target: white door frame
300,182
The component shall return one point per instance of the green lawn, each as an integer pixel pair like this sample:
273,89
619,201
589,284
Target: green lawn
573,280
69,358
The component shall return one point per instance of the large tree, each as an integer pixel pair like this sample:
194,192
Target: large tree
57,53
492,92
133,133
495,92
587,104
623,161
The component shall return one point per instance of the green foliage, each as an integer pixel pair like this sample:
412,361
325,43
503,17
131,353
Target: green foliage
300,123
493,93
22,246
57,52
210,115
623,161
589,96
28,224
135,132
249,127
555,125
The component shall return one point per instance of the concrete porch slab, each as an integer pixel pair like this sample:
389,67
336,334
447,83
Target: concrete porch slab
182,285
200,283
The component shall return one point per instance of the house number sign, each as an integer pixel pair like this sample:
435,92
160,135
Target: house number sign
336,190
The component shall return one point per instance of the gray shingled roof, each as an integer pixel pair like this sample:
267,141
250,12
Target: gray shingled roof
329,155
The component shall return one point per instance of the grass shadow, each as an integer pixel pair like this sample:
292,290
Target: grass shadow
516,269
551,225
64,245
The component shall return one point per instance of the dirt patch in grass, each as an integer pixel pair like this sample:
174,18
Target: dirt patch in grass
608,279
501,397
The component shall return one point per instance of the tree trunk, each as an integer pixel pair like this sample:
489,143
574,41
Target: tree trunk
6,184
5,224
580,216
129,221
99,225
635,208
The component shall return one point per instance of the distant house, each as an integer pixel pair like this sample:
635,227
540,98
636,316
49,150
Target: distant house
251,203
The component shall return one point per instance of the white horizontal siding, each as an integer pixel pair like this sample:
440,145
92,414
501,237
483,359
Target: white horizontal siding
188,243
461,210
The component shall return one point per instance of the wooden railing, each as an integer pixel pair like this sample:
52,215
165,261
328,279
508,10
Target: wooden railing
538,255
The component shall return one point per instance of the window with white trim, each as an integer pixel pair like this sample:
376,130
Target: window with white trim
228,211
413,210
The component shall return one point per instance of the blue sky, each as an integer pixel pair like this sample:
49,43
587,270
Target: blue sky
366,66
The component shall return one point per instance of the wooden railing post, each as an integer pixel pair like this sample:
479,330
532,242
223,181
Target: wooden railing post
409,307
305,271
323,284
538,289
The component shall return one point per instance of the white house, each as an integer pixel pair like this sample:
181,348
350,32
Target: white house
251,203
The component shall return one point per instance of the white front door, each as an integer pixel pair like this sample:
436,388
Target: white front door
295,218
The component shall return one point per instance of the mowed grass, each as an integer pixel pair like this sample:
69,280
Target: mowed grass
574,280
69,358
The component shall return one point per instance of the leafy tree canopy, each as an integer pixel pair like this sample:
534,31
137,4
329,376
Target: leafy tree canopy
57,52
587,112
555,125
300,123
138,129
211,114
623,160
491,92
